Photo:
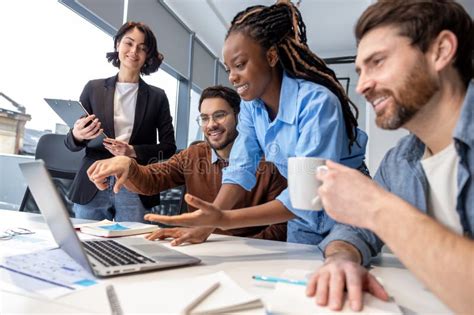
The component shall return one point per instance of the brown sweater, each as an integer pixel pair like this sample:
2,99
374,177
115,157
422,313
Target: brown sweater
193,168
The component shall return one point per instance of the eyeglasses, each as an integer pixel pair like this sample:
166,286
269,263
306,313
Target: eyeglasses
10,233
217,117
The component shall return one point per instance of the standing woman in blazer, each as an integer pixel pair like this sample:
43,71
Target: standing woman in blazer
130,113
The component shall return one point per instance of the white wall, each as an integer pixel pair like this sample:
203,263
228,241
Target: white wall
380,141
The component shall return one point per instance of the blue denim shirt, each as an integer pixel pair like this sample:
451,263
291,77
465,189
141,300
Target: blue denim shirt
401,173
309,122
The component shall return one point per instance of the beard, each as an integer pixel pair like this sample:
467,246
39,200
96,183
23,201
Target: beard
417,90
228,139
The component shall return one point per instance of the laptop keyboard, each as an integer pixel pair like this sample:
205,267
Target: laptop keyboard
111,253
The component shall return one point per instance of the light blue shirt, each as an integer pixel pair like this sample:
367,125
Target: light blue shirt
309,123
214,156
401,173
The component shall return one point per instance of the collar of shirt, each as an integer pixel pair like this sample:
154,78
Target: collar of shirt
289,96
413,149
215,157
465,128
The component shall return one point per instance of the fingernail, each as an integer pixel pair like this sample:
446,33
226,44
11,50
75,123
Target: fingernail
354,306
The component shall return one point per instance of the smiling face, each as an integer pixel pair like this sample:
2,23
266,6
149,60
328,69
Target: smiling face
219,134
132,50
395,77
250,69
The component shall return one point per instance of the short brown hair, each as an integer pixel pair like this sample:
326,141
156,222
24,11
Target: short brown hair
227,94
422,21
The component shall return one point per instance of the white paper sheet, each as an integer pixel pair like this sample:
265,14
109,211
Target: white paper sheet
409,292
291,299
171,296
27,243
49,273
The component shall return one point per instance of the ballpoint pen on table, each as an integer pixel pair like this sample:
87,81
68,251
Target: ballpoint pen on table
115,307
277,279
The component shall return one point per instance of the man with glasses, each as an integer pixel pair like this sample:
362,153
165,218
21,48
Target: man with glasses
199,167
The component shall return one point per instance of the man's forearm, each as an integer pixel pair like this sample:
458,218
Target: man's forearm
153,178
443,260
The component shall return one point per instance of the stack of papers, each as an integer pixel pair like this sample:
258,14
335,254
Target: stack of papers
278,301
172,296
106,228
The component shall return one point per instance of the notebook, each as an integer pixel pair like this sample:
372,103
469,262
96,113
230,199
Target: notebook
100,257
107,228
277,301
172,296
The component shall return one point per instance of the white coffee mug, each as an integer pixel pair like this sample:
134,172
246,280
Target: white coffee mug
302,182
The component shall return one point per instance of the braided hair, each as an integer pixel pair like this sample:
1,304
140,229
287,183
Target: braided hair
281,26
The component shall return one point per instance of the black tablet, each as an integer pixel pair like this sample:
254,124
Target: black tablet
69,111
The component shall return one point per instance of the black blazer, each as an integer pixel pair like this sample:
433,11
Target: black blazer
152,113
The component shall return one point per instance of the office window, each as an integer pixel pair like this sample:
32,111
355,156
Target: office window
52,52
194,131
169,84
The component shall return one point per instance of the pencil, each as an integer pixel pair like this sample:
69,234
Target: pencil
204,294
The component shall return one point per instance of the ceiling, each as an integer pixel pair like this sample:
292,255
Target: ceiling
329,23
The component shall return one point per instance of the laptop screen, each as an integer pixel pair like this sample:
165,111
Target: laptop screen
53,210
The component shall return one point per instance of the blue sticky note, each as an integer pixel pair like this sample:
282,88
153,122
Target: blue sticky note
85,282
114,227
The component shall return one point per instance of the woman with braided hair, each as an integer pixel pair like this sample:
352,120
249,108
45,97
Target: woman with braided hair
292,105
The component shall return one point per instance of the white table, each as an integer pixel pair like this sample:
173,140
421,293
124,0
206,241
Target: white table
240,258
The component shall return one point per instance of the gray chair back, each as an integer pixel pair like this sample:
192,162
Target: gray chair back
61,163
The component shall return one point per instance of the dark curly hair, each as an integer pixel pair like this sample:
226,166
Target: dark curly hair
153,56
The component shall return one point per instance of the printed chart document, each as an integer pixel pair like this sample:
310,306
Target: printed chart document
106,228
49,273
172,296
278,301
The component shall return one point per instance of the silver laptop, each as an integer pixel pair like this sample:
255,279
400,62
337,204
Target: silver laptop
100,257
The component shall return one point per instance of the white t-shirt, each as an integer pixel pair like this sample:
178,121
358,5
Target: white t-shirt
441,171
125,102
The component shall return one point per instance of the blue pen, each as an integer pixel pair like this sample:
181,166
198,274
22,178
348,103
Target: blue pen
276,279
